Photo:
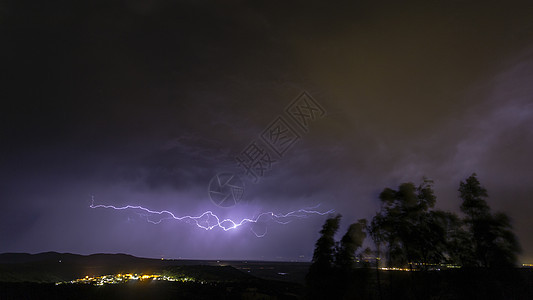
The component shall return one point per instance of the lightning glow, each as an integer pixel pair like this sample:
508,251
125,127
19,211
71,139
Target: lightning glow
209,221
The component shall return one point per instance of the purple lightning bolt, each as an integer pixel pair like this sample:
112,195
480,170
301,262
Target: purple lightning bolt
208,220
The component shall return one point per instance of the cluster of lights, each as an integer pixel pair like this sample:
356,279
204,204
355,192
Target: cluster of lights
397,269
434,267
446,266
123,278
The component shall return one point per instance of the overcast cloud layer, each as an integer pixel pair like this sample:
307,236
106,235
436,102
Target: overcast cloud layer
143,102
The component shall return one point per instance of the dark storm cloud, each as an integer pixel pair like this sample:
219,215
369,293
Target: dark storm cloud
143,102
500,143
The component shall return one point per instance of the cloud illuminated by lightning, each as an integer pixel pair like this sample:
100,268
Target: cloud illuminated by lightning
208,220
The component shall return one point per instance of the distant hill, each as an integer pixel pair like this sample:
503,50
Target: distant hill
9,258
53,267
30,276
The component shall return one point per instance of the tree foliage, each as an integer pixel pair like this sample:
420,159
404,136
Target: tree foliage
333,262
493,241
408,229
350,242
473,195
324,254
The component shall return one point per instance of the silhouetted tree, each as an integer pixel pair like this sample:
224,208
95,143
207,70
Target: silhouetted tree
324,254
407,227
378,236
459,246
320,278
505,244
493,241
428,238
332,273
350,242
473,195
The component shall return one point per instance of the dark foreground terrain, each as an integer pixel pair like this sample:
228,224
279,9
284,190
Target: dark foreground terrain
467,284
25,276
152,290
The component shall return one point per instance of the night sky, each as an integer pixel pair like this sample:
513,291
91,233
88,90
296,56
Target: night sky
143,102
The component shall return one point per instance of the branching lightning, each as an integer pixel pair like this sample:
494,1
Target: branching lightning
209,221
